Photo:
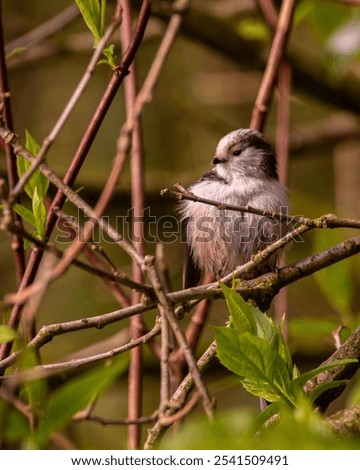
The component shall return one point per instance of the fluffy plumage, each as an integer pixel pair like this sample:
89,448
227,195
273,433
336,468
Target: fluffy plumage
244,173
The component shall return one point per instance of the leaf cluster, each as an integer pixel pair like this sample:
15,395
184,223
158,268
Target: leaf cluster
93,13
254,348
36,188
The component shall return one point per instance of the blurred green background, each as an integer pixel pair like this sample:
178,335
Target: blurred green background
201,96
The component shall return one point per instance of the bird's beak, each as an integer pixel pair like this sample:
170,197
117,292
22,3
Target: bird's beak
217,160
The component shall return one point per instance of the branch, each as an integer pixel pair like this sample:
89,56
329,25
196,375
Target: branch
17,243
46,29
345,422
276,55
179,335
96,269
135,378
325,221
261,290
178,399
47,370
115,422
349,350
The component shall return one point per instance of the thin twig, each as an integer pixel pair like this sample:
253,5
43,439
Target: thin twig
249,289
46,370
97,268
350,349
269,11
325,221
164,362
276,55
185,410
179,397
46,29
137,202
190,296
17,242
179,335
116,422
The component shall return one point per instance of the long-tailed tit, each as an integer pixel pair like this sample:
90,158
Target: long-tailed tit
244,174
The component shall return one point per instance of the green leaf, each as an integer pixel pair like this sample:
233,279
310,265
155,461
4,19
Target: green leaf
301,381
39,212
264,373
110,57
6,334
263,417
75,395
37,179
326,386
241,313
335,282
22,167
25,214
284,351
30,143
93,13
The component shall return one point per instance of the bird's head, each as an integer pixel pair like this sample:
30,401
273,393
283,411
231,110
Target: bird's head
248,152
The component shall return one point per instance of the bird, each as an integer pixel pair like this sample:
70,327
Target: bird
218,240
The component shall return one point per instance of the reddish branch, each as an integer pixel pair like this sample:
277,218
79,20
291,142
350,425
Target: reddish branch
276,55
137,200
17,242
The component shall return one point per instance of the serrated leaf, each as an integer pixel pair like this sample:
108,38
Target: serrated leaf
39,180
264,372
75,395
39,212
241,313
93,14
6,334
264,325
25,214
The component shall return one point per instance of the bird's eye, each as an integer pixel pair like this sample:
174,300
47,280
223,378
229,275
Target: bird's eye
236,153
